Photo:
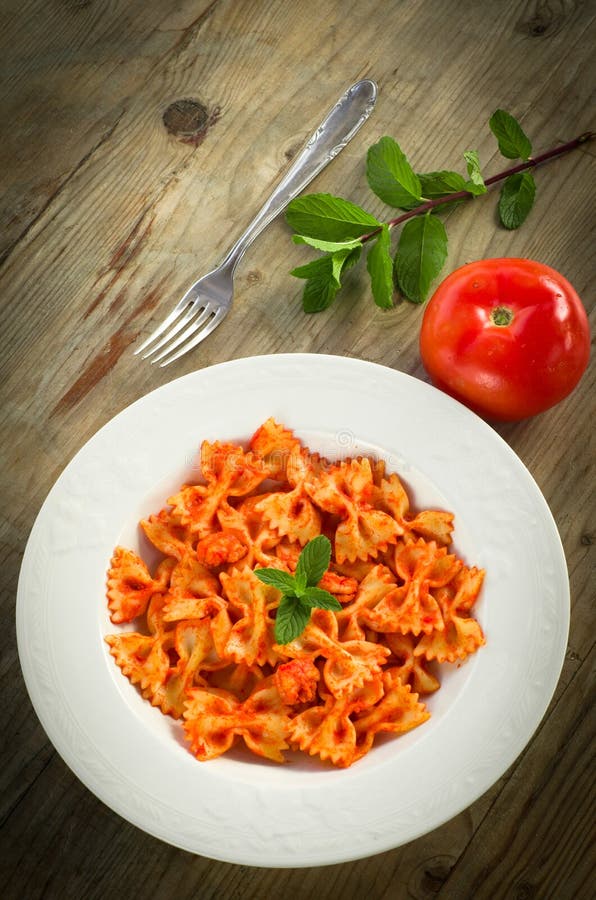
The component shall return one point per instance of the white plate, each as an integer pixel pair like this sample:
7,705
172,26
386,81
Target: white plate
238,808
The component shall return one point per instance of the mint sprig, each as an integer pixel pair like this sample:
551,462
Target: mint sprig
340,228
300,592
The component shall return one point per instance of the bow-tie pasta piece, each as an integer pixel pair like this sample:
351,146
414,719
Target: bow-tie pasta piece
275,445
461,634
228,472
220,548
130,586
251,531
191,578
251,639
238,679
399,710
346,490
292,514
141,658
411,669
214,609
412,607
194,645
167,535
431,524
213,719
328,730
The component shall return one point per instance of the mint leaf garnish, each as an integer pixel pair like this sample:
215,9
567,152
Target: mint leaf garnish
291,619
513,141
300,593
421,254
380,269
283,581
328,218
390,175
314,560
315,597
476,183
516,199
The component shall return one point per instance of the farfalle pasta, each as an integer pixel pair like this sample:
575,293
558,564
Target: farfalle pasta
204,650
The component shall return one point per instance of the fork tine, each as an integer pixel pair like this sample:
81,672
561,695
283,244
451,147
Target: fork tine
200,336
176,312
194,323
189,316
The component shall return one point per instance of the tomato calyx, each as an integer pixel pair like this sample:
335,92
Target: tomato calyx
501,316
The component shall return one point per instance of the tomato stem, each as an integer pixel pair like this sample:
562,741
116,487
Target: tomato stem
501,316
494,179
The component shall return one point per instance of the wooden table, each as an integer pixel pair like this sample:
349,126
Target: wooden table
117,196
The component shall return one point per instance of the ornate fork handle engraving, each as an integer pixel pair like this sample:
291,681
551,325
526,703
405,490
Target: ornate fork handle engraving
337,129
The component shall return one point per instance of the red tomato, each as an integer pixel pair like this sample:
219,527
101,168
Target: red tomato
507,337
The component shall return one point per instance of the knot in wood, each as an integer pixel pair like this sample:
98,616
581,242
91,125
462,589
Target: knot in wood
523,890
186,118
430,876
546,21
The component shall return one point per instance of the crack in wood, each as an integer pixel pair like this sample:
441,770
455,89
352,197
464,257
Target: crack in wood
106,358
21,797
190,32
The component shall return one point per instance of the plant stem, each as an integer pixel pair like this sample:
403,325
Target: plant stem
465,195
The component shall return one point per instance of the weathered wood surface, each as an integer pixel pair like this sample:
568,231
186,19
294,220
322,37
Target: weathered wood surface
107,216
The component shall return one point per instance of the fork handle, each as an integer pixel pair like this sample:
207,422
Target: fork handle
341,124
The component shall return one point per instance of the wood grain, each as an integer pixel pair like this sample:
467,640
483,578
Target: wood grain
109,213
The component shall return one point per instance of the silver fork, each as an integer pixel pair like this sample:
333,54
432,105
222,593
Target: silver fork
209,299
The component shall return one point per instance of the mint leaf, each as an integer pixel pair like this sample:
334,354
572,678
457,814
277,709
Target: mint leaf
342,260
314,560
516,199
314,269
317,597
299,584
441,184
328,246
328,218
390,175
320,292
513,141
283,581
380,269
291,619
323,276
321,286
421,254
476,183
